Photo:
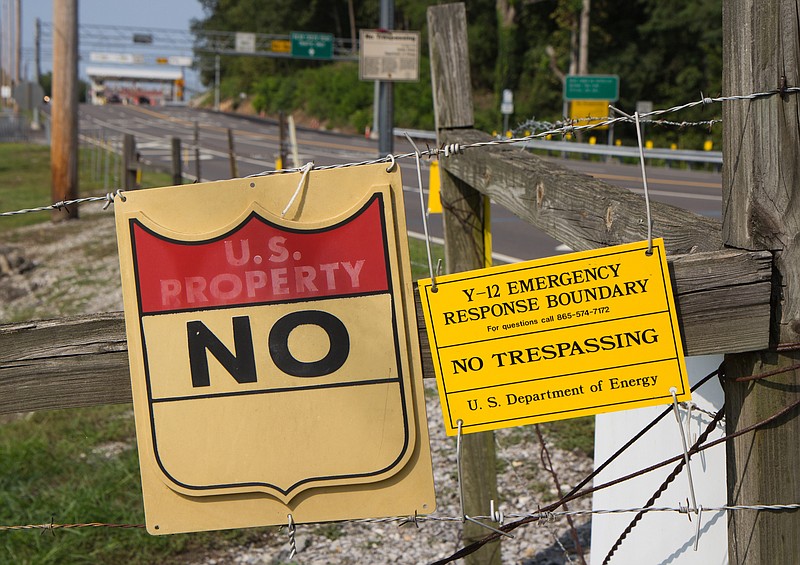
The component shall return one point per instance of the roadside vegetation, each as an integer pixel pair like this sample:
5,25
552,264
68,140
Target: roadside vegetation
25,181
663,52
78,465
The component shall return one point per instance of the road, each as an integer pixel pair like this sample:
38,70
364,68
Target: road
256,145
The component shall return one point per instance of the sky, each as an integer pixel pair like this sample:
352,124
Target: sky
164,14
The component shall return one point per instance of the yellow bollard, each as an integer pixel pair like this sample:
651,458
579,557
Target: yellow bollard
434,198
487,232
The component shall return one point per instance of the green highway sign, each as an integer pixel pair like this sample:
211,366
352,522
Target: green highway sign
311,45
591,87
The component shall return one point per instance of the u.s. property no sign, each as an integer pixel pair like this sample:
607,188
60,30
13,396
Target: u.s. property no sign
273,370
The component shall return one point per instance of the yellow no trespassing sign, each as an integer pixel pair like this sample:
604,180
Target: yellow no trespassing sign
555,338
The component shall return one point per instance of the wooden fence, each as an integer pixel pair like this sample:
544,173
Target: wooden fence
734,280
723,295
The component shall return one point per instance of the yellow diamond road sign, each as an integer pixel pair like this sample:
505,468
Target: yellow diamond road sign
555,338
274,361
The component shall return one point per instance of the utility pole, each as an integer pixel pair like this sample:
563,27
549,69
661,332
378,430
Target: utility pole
18,46
64,133
38,50
385,91
761,211
5,31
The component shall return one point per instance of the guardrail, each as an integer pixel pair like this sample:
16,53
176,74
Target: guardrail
713,157
685,155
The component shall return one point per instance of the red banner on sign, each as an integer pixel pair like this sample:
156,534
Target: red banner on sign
259,262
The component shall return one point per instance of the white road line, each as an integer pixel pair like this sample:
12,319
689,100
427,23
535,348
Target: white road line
439,241
672,194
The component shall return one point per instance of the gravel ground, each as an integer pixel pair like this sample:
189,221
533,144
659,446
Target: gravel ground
72,268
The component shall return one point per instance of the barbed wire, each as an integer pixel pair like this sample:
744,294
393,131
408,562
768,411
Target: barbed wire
696,448
553,128
545,516
528,127
64,204
51,526
696,408
523,486
548,513
664,485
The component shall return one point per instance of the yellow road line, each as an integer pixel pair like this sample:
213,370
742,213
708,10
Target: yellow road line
698,184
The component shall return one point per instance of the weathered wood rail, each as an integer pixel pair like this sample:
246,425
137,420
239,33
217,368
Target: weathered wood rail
722,300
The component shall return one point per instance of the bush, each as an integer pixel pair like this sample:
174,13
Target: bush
333,93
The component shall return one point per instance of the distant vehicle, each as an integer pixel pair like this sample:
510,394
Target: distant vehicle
114,99
144,101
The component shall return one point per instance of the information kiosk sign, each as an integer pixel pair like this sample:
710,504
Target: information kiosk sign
388,55
555,338
274,361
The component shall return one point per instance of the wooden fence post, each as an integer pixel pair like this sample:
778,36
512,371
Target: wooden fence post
761,185
177,169
131,162
197,152
462,214
281,161
232,155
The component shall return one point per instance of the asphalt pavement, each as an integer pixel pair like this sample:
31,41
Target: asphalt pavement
256,143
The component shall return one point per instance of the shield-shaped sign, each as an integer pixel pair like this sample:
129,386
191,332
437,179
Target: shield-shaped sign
271,358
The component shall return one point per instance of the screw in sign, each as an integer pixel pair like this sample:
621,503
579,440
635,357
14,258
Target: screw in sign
276,352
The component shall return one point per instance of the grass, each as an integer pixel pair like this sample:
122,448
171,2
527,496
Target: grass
572,434
81,465
25,180
76,466
419,257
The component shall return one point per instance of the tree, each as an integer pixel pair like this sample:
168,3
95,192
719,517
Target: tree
666,51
